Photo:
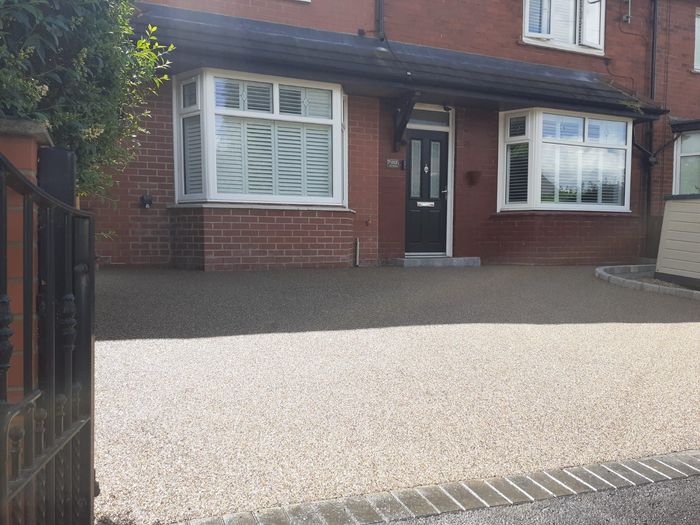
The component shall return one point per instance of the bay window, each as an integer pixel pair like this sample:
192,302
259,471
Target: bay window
556,160
245,138
687,164
577,25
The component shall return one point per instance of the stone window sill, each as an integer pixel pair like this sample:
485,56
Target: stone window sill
245,206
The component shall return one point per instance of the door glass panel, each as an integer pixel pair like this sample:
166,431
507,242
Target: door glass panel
415,168
434,170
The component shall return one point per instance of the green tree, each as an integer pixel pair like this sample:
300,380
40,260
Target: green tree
78,66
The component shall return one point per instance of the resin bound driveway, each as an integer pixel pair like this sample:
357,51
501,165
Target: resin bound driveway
236,391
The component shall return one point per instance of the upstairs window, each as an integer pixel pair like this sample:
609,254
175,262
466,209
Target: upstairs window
255,139
697,40
576,25
554,160
687,165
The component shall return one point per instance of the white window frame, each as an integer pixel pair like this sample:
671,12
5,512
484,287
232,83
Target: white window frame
677,156
534,138
546,40
206,108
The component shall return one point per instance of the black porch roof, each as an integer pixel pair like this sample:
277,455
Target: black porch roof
369,66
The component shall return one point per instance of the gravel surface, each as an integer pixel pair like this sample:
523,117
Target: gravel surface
226,392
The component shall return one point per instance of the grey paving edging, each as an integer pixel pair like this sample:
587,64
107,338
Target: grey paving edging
462,496
628,277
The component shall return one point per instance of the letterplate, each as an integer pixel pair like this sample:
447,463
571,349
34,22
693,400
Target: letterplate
423,204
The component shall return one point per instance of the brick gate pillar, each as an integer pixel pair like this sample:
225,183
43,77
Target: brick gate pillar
20,141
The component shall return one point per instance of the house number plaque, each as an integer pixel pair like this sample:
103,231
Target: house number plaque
394,164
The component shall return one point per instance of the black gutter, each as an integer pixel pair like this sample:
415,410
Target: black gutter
680,126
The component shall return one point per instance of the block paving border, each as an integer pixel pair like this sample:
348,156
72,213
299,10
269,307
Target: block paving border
432,500
628,277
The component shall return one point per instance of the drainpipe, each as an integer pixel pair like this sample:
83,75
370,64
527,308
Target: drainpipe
379,19
651,161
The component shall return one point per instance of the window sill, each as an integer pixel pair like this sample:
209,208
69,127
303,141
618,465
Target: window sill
577,213
245,206
582,50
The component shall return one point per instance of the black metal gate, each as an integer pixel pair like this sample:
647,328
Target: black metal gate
46,438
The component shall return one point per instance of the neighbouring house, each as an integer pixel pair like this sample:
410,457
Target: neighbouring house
327,133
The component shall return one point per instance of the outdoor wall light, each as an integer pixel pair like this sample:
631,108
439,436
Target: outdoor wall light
146,200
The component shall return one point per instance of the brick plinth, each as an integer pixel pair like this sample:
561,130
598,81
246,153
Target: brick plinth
215,239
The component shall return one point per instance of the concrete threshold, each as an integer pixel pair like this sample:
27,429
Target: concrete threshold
436,262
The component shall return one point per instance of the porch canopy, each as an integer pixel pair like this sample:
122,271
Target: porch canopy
368,66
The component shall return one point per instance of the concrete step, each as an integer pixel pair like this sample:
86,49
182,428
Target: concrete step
436,262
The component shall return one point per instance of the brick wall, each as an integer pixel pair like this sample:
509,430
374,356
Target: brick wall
247,239
345,16
363,160
187,238
495,28
128,233
392,191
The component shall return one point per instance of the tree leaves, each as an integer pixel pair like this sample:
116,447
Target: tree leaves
76,65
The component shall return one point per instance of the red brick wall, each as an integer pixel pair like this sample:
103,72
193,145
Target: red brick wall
495,28
392,191
248,239
363,159
127,232
187,238
345,16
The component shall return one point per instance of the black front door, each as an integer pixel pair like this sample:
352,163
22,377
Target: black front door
426,191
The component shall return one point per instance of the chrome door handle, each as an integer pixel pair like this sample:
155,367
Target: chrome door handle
444,191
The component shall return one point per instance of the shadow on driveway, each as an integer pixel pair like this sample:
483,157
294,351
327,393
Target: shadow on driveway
161,303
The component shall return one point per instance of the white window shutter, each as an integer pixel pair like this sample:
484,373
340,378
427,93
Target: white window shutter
291,100
318,161
290,165
591,23
259,157
258,97
192,154
517,172
229,155
538,18
563,21
228,93
319,103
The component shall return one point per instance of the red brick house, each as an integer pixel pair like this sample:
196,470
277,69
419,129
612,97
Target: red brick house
309,133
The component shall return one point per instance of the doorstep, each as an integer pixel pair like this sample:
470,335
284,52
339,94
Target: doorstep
436,262
461,496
